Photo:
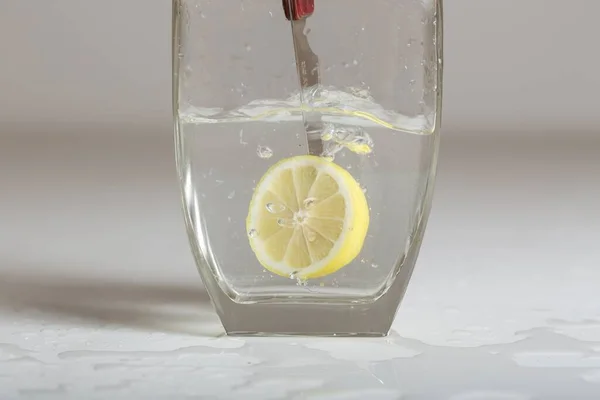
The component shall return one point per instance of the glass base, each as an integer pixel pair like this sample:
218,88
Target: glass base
287,320
372,319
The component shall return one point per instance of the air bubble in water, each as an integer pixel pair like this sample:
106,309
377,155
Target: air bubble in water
311,236
330,149
309,202
374,265
248,47
302,282
285,222
353,138
231,195
264,152
299,281
253,233
274,208
187,72
355,62
328,132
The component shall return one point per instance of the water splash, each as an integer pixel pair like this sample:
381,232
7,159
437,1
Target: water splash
352,107
353,138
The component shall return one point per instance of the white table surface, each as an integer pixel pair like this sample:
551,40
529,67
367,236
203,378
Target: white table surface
99,296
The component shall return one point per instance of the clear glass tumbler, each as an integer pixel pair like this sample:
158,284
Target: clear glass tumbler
306,139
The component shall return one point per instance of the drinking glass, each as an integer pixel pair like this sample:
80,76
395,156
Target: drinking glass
343,94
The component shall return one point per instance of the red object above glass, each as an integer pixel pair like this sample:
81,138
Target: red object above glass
299,8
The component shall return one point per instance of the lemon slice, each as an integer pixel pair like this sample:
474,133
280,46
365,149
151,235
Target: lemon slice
307,219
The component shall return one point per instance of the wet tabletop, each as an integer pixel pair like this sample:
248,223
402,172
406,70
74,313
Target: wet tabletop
99,297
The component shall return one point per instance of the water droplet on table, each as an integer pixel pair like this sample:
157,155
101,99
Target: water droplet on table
253,233
490,395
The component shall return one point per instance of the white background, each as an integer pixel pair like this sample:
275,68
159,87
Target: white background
511,65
